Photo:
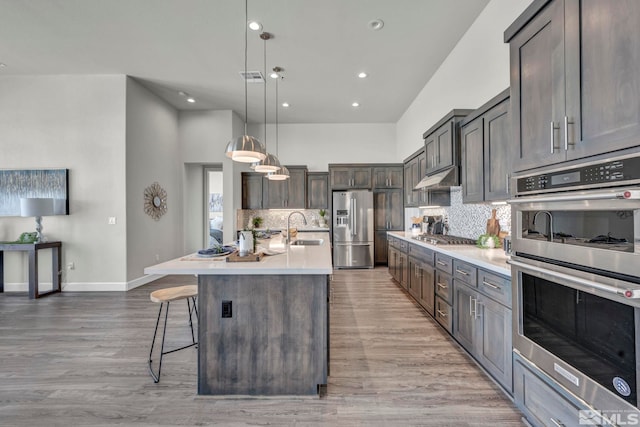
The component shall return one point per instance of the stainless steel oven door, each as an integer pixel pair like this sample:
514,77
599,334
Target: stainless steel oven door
581,329
598,229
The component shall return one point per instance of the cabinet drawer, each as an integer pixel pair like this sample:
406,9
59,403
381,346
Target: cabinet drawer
423,254
465,272
444,286
403,245
540,402
443,314
495,286
393,241
444,263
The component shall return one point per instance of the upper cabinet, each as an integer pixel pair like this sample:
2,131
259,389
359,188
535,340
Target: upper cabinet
442,142
252,190
575,83
485,147
414,171
290,193
347,177
317,190
387,177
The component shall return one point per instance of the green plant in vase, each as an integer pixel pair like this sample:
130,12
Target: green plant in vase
257,222
323,221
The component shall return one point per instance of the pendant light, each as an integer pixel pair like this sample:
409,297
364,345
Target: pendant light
271,162
246,148
283,173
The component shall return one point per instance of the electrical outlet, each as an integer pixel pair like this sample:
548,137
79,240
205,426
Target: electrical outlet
71,265
227,310
112,220
157,257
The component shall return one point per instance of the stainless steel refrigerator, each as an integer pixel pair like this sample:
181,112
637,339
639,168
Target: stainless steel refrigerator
353,229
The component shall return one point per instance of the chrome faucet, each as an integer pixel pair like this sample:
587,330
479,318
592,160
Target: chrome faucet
550,223
288,238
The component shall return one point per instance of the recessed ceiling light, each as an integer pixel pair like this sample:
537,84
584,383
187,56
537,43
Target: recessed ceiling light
274,75
191,100
285,104
376,24
181,93
255,26
2,65
355,104
362,75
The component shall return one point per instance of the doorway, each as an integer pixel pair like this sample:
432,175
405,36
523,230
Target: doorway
213,204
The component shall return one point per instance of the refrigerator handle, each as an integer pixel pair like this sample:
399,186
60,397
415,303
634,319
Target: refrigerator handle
355,217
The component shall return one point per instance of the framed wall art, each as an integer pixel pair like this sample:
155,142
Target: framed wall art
16,184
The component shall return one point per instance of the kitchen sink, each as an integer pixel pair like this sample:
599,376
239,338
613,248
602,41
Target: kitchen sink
307,242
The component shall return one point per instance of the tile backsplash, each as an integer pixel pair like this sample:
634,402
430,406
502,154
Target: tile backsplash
277,219
465,220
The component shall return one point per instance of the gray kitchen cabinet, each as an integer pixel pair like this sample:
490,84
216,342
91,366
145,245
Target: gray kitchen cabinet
398,260
388,215
541,399
380,247
414,170
421,277
392,256
252,190
346,177
410,170
483,327
442,142
574,80
290,193
317,190
485,149
387,177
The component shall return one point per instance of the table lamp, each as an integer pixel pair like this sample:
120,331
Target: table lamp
37,207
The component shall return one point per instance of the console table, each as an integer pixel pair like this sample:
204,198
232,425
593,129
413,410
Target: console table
32,250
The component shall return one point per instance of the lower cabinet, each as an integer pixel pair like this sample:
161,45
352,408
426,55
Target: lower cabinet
483,327
421,283
380,245
542,400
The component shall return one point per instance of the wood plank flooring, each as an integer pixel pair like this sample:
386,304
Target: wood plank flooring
79,359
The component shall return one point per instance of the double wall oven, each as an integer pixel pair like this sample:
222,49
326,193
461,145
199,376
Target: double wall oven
576,274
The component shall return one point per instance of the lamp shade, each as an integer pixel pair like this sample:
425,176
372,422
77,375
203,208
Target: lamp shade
280,175
36,207
246,149
269,164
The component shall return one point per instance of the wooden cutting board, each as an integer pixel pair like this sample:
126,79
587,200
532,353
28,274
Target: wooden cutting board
493,224
235,257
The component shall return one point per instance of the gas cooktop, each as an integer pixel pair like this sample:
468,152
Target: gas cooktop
444,239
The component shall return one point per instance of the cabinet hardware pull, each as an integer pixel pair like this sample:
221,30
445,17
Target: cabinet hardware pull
553,134
462,272
433,160
471,313
441,263
557,423
507,186
491,285
440,285
441,313
566,134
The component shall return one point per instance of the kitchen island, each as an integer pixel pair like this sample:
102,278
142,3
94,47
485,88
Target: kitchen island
263,326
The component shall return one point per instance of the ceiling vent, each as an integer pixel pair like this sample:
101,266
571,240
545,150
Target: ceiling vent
252,76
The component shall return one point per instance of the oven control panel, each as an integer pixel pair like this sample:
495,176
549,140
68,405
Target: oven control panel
615,172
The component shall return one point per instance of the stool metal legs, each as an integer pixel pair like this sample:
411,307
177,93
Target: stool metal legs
191,307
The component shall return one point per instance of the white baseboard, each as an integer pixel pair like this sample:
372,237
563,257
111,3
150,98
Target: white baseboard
87,287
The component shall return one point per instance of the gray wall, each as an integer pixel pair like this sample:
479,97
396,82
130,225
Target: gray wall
152,155
74,122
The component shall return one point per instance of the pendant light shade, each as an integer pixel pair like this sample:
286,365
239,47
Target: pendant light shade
280,175
269,164
245,148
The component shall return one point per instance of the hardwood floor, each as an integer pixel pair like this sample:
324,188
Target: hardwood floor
76,359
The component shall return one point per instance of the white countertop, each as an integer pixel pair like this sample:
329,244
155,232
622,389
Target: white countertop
493,260
295,260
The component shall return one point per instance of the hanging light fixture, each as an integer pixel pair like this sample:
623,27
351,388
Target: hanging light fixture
246,148
271,162
283,173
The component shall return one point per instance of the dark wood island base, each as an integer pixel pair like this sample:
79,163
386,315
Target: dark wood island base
275,341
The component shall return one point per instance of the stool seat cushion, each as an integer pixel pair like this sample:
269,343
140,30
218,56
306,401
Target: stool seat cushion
175,293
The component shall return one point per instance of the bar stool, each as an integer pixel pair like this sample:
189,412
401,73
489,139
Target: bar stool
189,292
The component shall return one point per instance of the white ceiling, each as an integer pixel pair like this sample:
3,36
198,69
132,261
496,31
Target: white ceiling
197,46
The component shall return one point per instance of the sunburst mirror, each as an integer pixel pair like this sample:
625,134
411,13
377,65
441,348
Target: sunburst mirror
155,201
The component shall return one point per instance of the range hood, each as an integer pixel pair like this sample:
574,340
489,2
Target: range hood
443,179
